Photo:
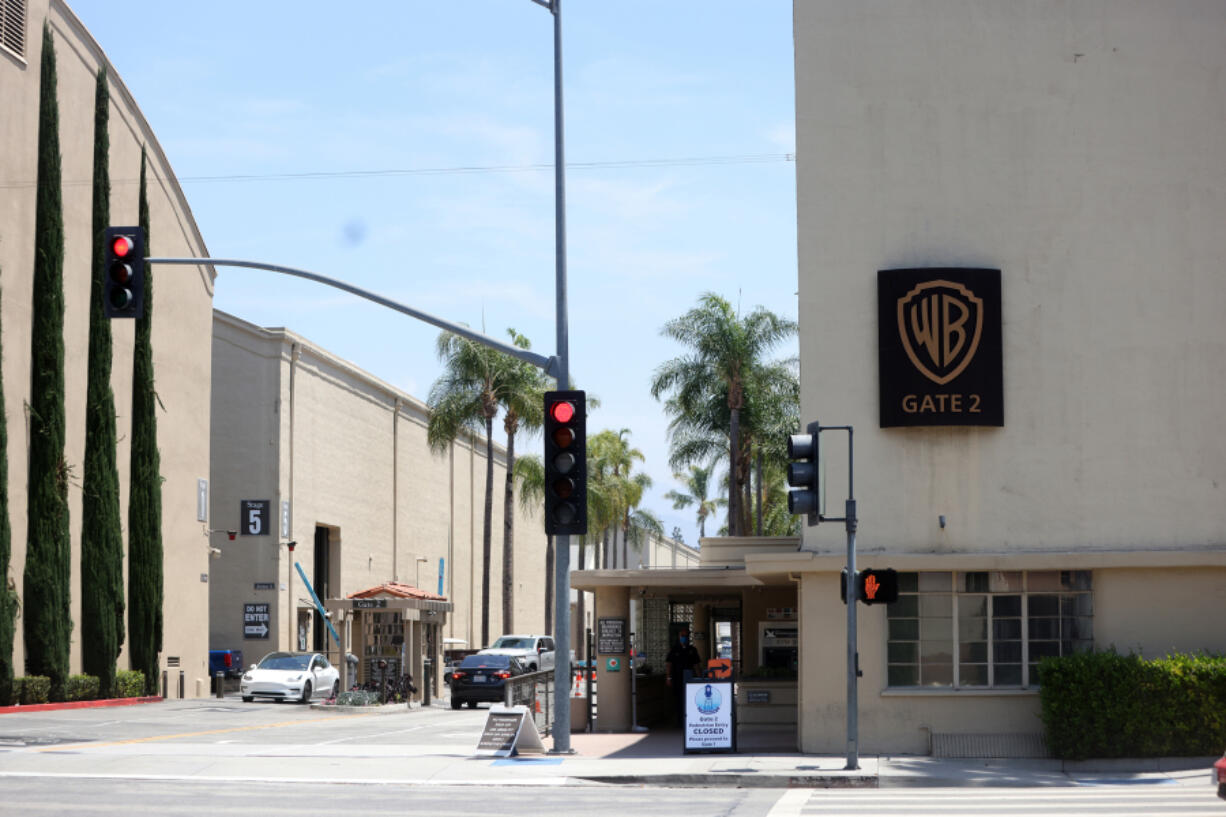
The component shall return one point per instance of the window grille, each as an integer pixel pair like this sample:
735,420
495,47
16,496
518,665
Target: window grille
653,641
13,26
985,629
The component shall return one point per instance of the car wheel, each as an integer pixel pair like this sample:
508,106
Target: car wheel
306,693
472,704
247,699
456,703
336,689
532,668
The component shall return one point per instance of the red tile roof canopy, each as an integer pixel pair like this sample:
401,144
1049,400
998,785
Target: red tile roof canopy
398,590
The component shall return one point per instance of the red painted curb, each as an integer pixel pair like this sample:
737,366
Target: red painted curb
80,704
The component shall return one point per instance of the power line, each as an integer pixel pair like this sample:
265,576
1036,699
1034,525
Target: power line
461,170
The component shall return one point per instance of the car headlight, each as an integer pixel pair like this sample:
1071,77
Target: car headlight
247,677
296,677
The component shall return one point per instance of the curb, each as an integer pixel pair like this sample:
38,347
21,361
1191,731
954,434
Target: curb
152,699
738,781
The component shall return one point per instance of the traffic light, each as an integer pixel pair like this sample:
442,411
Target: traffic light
123,287
877,586
872,586
804,475
565,463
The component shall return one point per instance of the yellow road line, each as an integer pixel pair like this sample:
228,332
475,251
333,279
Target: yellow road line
152,738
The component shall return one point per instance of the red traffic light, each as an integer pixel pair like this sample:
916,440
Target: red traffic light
122,245
565,463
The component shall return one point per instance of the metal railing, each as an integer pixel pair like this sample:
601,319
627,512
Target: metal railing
535,691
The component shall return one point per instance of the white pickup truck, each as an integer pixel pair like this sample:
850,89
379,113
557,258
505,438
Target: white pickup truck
535,651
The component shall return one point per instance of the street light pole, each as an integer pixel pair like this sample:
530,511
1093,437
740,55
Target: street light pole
561,582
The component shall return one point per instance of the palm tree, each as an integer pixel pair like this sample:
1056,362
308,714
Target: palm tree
772,412
698,483
467,396
707,388
523,402
530,472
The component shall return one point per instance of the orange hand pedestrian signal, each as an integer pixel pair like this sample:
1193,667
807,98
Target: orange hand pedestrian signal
877,586
871,586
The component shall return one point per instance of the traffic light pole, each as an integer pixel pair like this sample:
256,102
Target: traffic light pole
547,364
853,597
561,582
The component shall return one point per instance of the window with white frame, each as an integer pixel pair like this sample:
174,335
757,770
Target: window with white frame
984,629
13,26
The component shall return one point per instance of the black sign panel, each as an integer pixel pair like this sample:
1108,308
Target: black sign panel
940,353
501,729
611,636
255,620
253,517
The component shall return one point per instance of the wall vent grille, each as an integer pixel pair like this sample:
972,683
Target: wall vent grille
1025,744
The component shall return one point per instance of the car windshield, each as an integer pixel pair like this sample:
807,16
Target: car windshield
284,660
486,662
510,642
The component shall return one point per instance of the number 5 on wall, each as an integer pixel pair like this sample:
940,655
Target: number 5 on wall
254,513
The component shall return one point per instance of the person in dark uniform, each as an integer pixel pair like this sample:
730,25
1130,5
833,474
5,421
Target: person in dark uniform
680,658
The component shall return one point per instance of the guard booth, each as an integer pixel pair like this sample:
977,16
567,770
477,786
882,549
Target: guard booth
391,630
744,622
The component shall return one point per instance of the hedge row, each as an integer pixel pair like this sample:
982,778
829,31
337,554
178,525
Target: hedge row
1109,705
36,689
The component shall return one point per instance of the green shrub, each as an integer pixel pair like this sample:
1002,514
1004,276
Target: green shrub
357,698
1108,705
81,688
129,683
35,689
15,693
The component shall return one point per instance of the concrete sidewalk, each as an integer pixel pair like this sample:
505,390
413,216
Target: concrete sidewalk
655,759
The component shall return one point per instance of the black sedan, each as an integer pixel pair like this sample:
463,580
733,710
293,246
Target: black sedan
482,678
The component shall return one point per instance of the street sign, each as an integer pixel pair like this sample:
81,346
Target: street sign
509,731
255,620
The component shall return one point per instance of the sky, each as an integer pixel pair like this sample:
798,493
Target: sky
410,153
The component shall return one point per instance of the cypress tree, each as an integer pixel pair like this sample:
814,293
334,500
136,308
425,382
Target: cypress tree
102,591
145,493
8,592
47,617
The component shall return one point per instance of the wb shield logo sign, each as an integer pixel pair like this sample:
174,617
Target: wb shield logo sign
940,323
940,347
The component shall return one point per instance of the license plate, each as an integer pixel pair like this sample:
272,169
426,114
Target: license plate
478,679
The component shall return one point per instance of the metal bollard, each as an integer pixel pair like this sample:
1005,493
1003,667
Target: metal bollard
429,673
221,684
165,684
182,685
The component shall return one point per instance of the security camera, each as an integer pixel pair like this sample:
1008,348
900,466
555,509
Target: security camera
215,552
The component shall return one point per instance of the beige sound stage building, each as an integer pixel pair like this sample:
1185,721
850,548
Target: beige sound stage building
308,448
182,317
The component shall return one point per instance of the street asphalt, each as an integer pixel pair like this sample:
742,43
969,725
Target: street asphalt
642,759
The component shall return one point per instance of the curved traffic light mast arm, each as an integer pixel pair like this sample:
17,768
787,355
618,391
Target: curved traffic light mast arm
548,364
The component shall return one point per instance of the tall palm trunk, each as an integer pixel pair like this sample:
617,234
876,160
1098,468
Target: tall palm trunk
487,530
549,569
734,463
508,537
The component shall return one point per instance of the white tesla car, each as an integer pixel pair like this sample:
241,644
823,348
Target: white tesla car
291,676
